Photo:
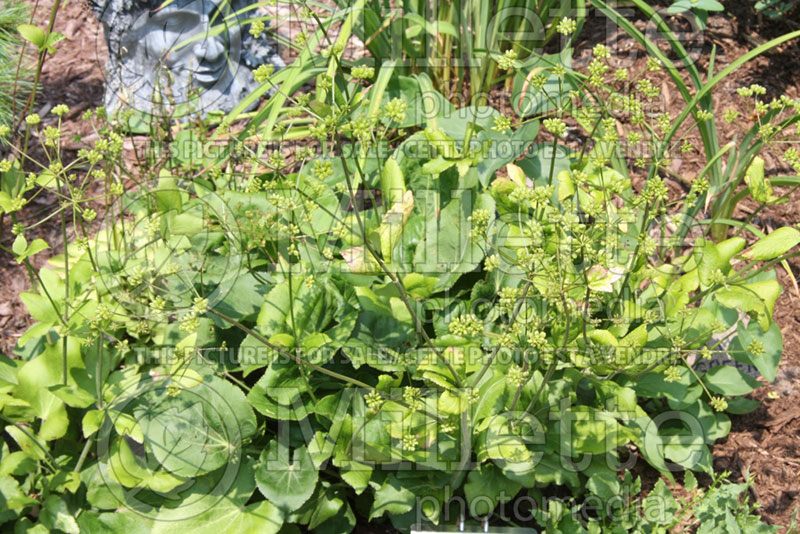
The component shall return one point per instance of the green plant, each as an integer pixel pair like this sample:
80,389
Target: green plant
15,75
775,9
465,47
560,356
613,505
770,128
699,8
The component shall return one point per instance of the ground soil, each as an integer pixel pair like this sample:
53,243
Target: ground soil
765,443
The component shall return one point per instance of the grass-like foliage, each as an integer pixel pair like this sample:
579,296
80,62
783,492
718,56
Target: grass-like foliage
15,72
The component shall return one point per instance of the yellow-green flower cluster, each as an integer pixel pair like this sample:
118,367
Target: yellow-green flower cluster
60,110
555,125
719,404
480,223
362,72
395,110
466,326
257,28
566,26
753,90
647,88
374,400
323,169
756,348
517,376
492,263
508,298
409,442
263,72
502,124
672,374
601,51
412,397
537,339
506,61
792,157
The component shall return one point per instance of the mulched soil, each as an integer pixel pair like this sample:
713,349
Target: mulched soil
765,443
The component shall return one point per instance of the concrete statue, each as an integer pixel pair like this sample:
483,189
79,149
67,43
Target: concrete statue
194,51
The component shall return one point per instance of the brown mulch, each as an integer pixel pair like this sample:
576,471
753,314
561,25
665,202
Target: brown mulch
766,442
72,76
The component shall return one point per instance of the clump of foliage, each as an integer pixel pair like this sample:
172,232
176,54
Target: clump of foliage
466,47
775,9
15,74
722,506
438,302
700,9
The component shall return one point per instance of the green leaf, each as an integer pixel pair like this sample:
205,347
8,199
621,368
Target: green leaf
328,505
603,337
741,405
92,421
392,498
391,229
447,250
26,526
383,322
437,165
604,484
37,375
728,380
73,395
52,39
127,469
508,450
286,483
728,249
36,246
56,516
342,523
591,431
757,299
39,307
356,474
486,487
773,245
222,510
709,5
659,506
715,425
393,185
565,186
118,522
689,481
760,188
601,279
26,444
17,463
33,34
679,7
196,430
771,341
20,245
12,498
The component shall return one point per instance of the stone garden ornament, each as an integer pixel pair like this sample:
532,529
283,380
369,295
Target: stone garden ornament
163,53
